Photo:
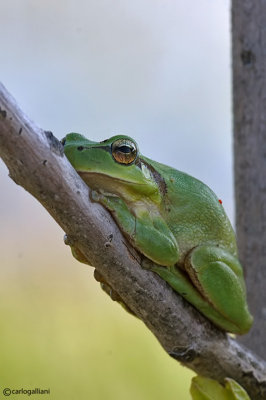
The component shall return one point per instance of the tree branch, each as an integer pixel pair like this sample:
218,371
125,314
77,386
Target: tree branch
249,101
36,161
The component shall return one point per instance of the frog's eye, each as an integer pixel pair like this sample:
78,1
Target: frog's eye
124,151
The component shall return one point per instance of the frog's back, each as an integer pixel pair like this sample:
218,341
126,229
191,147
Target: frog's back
193,212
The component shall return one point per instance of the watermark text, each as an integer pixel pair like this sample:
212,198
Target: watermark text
28,392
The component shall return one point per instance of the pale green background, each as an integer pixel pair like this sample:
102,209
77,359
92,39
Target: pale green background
156,70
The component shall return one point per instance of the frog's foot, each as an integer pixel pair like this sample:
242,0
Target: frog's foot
67,240
218,276
110,291
147,264
77,254
112,202
95,196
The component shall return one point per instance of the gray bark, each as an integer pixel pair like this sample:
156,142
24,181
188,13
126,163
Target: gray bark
249,103
36,161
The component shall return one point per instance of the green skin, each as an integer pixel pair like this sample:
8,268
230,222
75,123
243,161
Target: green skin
203,388
173,219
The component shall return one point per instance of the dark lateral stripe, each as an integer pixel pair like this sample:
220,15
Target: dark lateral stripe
156,176
105,148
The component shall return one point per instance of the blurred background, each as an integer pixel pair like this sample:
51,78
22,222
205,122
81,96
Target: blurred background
157,70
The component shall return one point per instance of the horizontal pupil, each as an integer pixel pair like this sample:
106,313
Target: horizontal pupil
125,149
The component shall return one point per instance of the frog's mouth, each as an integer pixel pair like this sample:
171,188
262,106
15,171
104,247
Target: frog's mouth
93,177
129,190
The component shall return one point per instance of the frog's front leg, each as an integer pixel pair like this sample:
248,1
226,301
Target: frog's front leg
111,292
147,233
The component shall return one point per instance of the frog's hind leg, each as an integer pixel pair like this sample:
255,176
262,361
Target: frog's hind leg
213,282
218,276
181,283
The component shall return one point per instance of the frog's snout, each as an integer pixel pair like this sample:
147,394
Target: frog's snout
63,141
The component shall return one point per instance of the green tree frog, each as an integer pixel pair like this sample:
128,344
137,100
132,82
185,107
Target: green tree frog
173,219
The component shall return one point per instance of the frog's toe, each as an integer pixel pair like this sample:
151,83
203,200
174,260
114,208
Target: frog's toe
147,264
95,196
68,240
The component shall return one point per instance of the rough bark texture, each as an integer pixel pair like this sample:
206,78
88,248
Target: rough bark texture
249,102
36,161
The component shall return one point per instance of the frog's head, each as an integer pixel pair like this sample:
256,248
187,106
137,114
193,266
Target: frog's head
113,165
